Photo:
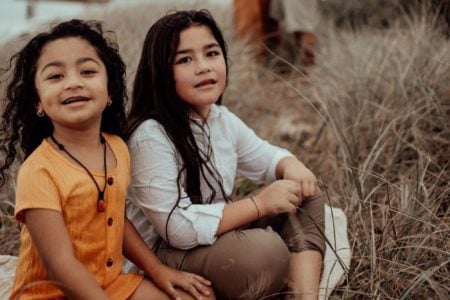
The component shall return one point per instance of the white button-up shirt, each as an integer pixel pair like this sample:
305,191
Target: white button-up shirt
154,170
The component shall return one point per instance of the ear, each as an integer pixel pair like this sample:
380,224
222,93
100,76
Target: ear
39,109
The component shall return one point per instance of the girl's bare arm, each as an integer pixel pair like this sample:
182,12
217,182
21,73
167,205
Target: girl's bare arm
135,249
51,239
293,169
281,196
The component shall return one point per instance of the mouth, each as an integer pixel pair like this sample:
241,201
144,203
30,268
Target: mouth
71,100
205,83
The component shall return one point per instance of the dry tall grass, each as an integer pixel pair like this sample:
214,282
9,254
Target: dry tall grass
371,120
385,96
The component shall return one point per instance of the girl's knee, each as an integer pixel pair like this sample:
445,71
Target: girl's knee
255,265
267,248
305,230
146,290
260,248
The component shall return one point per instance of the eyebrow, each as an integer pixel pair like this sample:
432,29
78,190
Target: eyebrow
60,64
208,46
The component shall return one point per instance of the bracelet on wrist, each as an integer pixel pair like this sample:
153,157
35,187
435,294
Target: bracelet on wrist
257,209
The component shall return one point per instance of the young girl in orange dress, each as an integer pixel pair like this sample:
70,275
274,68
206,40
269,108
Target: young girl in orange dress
186,149
65,109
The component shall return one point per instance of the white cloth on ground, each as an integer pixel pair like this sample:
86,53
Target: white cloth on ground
337,254
7,271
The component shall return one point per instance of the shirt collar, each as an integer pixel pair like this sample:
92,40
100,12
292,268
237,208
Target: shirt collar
213,113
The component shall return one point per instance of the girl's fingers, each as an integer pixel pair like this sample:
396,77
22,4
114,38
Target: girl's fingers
170,290
201,279
200,289
294,199
292,209
313,186
298,192
195,285
309,188
294,187
199,284
306,188
191,289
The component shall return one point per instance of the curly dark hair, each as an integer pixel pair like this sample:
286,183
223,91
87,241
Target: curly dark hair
154,97
20,124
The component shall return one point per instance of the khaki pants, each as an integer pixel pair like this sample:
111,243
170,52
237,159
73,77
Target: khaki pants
253,262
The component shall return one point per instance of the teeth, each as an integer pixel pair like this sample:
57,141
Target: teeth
74,99
206,82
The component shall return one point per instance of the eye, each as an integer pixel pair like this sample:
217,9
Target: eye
183,60
55,76
213,53
88,72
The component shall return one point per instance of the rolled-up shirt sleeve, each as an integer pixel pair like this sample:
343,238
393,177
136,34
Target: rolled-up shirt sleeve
257,159
153,189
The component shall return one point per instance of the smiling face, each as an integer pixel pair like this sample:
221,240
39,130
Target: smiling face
199,69
71,82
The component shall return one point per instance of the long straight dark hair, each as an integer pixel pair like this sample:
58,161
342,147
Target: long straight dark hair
154,97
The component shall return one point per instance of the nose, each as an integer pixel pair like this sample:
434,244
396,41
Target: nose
203,66
73,81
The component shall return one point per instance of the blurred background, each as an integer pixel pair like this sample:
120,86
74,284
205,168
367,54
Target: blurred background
17,16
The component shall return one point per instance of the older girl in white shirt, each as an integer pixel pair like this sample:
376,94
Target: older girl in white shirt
185,152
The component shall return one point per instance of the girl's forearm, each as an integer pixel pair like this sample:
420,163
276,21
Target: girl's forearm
50,238
137,251
284,163
245,211
79,284
237,214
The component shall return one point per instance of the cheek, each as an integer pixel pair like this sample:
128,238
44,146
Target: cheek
37,88
104,83
223,77
222,68
180,89
42,94
178,76
180,81
44,91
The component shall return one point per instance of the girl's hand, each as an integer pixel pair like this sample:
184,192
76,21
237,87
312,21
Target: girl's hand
282,196
167,279
296,171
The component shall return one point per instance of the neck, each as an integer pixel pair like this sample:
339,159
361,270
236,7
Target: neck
78,137
201,114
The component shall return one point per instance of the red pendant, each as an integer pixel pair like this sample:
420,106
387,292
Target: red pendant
101,205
